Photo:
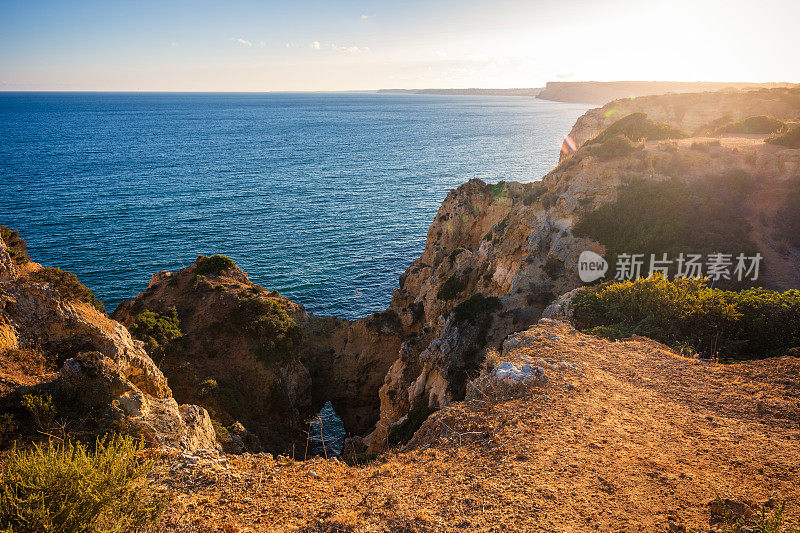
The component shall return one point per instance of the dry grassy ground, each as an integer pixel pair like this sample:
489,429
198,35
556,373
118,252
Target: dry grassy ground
628,436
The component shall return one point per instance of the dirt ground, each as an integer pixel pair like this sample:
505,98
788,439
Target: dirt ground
625,437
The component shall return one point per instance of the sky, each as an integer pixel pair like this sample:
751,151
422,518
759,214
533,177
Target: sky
299,45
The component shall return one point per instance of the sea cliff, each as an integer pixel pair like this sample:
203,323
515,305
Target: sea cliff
468,407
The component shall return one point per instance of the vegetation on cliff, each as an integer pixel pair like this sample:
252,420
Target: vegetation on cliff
268,320
760,124
158,331
67,285
673,217
213,265
637,127
475,306
790,139
16,245
450,288
688,314
613,147
71,487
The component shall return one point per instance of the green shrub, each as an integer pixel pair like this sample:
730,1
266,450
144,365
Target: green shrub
498,190
705,147
553,267
686,313
67,285
16,246
550,199
613,147
207,387
673,217
222,433
70,488
757,124
157,330
790,139
637,127
455,253
268,320
213,265
535,192
41,409
450,288
476,306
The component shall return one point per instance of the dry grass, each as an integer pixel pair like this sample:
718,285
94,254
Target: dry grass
624,436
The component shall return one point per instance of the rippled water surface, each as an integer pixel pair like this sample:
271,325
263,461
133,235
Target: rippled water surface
325,197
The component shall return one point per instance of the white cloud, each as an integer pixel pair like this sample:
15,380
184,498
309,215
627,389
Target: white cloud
241,41
348,49
316,45
174,43
364,17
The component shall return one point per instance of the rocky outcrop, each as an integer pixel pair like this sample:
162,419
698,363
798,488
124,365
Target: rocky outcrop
692,111
103,379
515,242
496,256
220,360
600,92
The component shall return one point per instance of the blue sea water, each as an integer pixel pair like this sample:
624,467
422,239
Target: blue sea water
326,198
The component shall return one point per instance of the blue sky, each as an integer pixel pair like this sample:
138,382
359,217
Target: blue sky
304,45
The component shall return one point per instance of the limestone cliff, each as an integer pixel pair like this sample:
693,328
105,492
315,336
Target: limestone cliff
515,241
54,342
495,257
601,92
259,361
692,111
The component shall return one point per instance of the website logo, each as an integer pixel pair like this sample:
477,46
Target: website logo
591,266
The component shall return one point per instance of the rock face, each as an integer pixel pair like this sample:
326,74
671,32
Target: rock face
598,92
219,362
515,242
496,256
691,111
100,368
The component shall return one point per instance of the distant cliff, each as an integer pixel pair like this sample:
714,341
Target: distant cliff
466,92
601,92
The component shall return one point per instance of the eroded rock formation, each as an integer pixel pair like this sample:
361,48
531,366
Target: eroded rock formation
99,378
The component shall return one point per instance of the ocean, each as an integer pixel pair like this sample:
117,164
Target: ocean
325,197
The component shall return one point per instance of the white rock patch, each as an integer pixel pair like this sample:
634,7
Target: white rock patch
525,374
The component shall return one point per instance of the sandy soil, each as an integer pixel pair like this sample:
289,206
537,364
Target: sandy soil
627,436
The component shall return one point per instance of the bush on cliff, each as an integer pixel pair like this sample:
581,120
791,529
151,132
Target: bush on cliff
688,314
673,217
158,331
72,488
213,265
476,306
16,246
450,288
269,321
637,127
67,285
790,139
616,146
757,124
